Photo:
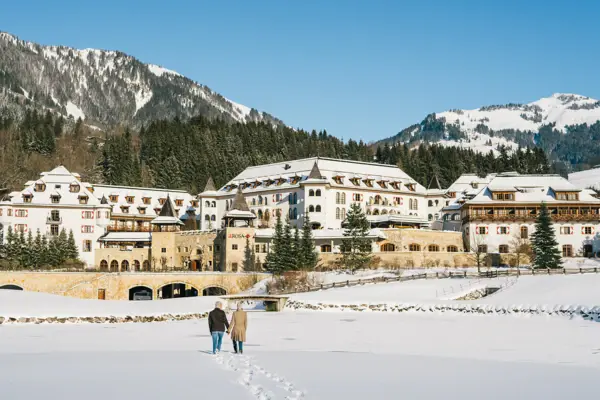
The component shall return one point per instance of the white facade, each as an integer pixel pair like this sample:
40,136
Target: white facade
385,193
59,200
505,209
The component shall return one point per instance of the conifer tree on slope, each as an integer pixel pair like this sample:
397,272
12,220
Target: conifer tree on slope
273,259
287,253
543,242
72,251
356,246
308,255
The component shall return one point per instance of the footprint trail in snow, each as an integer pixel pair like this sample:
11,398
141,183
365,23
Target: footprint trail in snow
250,371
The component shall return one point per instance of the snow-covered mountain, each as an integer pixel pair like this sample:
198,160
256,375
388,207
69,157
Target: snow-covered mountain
104,88
511,125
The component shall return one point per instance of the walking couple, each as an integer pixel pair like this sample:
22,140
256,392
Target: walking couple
218,324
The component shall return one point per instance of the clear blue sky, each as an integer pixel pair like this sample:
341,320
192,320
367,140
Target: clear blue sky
360,69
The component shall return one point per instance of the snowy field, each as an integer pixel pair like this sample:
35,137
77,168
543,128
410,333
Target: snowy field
308,355
312,354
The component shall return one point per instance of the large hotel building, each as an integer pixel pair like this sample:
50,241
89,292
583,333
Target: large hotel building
130,229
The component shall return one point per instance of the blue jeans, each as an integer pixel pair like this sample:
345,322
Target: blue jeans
217,338
238,346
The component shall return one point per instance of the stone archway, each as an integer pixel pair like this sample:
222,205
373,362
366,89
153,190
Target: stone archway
140,293
214,291
176,290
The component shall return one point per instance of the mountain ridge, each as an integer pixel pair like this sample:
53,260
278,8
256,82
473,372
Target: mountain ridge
105,88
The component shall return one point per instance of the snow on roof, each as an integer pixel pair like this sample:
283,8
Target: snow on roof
127,236
321,233
586,179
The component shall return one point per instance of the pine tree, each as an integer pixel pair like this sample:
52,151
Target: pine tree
248,263
287,256
356,246
62,247
297,249
273,259
28,251
307,254
37,250
543,242
44,255
72,252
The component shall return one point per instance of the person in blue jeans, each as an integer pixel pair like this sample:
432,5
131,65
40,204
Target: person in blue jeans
217,324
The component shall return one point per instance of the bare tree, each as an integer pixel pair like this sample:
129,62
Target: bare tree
521,248
477,247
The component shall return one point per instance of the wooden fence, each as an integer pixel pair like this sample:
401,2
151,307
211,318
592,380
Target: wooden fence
455,275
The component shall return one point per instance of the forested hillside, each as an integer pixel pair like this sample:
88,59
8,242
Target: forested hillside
183,154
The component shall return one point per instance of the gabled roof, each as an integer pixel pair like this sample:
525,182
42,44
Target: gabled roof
167,215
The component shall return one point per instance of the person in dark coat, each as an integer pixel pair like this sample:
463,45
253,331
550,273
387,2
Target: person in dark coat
217,324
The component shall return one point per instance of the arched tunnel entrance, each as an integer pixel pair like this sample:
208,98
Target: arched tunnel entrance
140,293
10,287
214,291
176,290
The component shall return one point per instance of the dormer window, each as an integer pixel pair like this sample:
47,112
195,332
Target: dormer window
179,202
142,210
125,209
452,194
383,184
338,179
113,198
40,187
503,196
194,203
157,211
281,181
162,201
83,199
55,198
74,188
27,197
474,185
295,179
355,181
395,185
90,189
569,196
410,186
368,182
146,200
129,199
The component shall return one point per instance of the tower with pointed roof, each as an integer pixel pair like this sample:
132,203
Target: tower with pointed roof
167,220
315,189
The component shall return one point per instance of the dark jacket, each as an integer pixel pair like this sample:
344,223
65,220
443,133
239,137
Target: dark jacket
217,321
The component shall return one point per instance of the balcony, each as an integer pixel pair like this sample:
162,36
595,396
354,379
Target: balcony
532,217
113,228
53,220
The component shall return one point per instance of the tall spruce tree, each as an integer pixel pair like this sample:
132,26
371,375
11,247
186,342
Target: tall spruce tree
356,246
273,259
543,242
297,249
287,254
307,253
248,262
72,253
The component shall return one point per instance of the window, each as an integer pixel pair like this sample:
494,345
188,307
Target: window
503,248
481,230
55,199
368,182
433,247
567,250
482,248
343,198
163,250
21,228
234,267
338,198
21,213
234,247
311,193
318,193
318,208
430,203
503,230
566,230
179,202
430,217
311,209
74,188
218,247
113,198
27,198
162,201
125,209
343,213
142,210
129,199
87,214
588,230
338,214
524,232
357,197
213,217
338,179
278,197
40,187
414,247
146,200
54,230
295,198
83,199
87,229
295,214
504,196
326,248
87,246
257,248
452,249
207,217
388,247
